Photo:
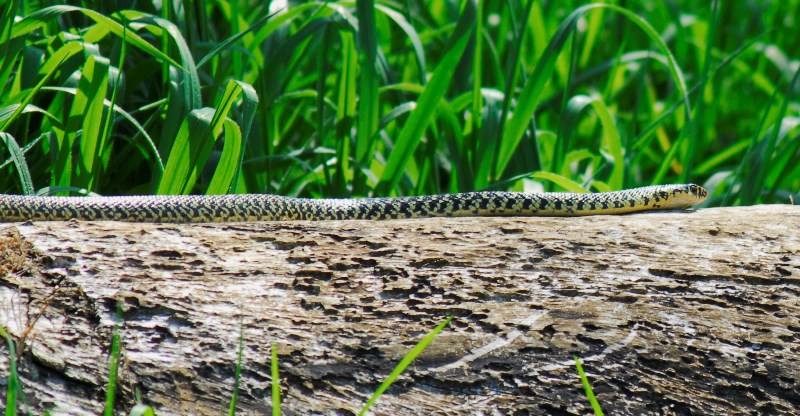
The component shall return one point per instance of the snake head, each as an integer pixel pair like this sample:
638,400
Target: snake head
690,194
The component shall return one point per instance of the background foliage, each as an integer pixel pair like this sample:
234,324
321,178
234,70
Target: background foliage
373,98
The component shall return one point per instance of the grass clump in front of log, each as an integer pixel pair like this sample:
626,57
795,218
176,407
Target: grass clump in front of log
14,389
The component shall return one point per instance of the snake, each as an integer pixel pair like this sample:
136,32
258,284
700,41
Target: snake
264,207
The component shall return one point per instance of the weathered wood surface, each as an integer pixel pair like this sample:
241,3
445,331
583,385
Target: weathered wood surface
671,313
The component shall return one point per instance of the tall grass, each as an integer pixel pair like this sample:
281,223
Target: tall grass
381,98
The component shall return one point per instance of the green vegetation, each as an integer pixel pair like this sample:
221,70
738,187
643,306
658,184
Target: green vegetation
366,98
113,365
380,98
598,411
14,388
403,364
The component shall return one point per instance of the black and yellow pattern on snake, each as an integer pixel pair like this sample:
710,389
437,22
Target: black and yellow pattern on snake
256,207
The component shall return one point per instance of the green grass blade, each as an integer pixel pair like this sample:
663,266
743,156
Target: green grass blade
562,181
190,85
730,153
108,122
477,71
645,135
38,19
88,108
19,162
30,145
396,112
598,411
150,144
283,18
56,190
368,101
404,363
611,142
594,34
324,68
283,52
237,373
533,88
666,161
675,71
566,68
529,98
461,174
194,143
9,48
694,129
232,152
276,381
189,153
7,17
231,40
759,157
411,133
14,388
249,108
784,170
574,157
173,116
50,68
142,410
347,100
412,35
232,91
113,364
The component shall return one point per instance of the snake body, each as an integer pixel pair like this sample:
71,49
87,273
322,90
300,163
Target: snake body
257,207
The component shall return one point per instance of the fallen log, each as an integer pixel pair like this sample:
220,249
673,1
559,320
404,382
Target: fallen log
670,313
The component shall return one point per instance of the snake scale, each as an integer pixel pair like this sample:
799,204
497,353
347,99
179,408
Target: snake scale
257,207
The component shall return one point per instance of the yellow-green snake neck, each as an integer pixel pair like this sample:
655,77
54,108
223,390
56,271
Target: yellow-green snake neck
256,207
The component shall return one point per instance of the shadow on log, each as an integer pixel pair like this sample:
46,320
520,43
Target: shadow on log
670,313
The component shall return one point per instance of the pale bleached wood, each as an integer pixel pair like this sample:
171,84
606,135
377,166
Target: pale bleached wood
671,313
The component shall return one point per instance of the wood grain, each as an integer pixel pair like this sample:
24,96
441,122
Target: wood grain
671,313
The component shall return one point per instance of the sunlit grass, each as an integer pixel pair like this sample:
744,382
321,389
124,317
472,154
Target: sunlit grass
598,411
307,101
14,387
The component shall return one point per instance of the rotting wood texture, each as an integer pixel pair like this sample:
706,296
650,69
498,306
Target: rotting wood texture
671,313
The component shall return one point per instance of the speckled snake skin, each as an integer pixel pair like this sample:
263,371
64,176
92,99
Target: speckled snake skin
256,207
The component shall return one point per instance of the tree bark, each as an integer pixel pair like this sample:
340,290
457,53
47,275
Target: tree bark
670,313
